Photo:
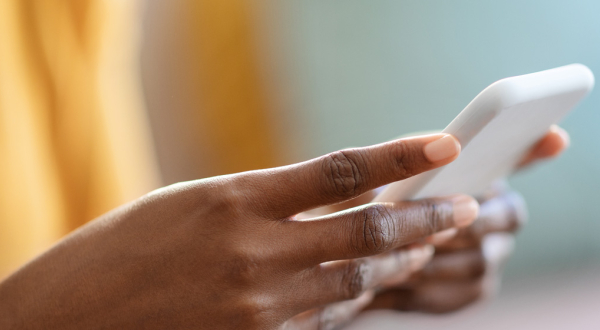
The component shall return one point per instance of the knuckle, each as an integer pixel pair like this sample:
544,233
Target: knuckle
251,314
406,162
241,271
220,197
354,279
201,199
437,216
226,202
343,172
374,230
248,311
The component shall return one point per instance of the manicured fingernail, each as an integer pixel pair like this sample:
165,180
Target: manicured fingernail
563,135
443,236
465,210
365,298
442,148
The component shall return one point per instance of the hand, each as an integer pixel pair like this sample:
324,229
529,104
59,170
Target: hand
227,252
466,265
468,261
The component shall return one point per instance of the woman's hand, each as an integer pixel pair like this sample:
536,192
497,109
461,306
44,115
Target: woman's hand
227,252
468,262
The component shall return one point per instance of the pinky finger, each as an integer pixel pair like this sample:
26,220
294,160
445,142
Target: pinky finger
332,316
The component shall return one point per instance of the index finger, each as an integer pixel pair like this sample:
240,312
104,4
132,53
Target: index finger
341,175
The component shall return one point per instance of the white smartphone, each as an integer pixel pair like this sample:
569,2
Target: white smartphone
496,129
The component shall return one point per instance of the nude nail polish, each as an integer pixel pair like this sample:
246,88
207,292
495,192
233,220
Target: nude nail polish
465,210
442,148
442,236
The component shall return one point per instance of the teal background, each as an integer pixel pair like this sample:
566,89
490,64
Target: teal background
361,72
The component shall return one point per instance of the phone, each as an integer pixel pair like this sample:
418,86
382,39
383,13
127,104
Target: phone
496,129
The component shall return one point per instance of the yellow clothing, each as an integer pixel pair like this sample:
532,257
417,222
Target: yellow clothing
207,89
74,141
234,101
74,137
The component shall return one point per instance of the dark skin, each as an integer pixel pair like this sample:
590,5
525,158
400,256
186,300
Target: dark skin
229,252
467,261
466,267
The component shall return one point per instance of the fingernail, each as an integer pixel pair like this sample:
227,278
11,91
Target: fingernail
443,236
365,298
464,210
563,135
442,148
420,256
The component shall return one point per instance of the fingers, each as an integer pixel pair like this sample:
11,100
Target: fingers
354,202
465,264
431,297
488,258
505,213
497,248
349,279
330,317
451,281
551,145
379,227
345,174
442,237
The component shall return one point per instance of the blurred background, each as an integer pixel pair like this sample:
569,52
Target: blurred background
336,74
182,89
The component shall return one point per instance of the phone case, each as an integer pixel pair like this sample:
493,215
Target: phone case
496,129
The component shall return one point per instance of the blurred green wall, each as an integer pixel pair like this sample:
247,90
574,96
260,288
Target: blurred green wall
361,72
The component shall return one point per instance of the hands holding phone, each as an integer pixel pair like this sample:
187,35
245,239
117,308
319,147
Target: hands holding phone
467,266
229,252
468,261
